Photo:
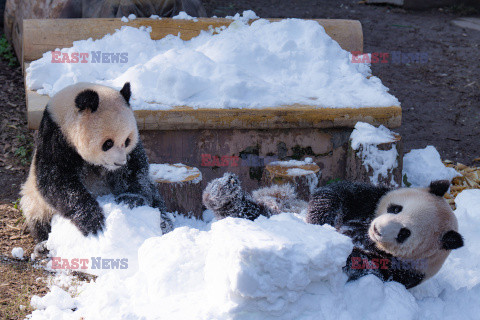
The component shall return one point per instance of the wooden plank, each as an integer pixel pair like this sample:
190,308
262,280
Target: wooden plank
283,117
42,35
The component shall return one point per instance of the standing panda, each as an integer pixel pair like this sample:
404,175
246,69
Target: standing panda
402,235
87,146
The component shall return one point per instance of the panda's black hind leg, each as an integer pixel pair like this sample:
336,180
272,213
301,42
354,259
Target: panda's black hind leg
226,198
39,230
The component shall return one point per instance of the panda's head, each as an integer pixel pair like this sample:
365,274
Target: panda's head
97,121
414,223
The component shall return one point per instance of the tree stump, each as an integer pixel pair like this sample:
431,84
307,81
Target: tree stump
303,175
180,187
380,164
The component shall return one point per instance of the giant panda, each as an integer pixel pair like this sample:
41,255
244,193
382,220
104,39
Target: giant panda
402,235
87,145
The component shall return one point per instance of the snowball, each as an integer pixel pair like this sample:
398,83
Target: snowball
132,17
124,19
17,253
155,17
295,61
422,166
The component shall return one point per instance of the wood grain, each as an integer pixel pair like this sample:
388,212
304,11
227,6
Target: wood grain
42,35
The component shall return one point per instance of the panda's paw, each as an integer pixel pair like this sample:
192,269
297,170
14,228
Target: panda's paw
166,223
132,200
92,223
221,193
40,251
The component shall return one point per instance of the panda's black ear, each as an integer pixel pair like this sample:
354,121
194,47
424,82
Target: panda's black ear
125,92
87,99
439,187
452,240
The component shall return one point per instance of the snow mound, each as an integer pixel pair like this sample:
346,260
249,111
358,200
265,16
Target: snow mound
295,61
126,230
275,268
422,166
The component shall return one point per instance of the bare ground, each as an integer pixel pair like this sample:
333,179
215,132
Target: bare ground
440,100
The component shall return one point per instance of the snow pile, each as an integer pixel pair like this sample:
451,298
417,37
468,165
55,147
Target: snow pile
260,65
174,173
17,253
276,268
365,139
422,166
126,230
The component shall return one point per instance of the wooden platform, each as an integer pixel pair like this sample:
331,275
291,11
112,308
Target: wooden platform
242,141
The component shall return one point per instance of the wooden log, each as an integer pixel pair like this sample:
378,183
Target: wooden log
281,117
42,35
358,169
303,176
180,187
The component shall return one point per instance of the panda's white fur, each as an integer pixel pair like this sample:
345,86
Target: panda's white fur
87,131
87,145
426,215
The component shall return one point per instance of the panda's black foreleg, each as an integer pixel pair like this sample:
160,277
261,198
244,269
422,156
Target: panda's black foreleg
58,179
133,186
226,198
361,263
324,207
72,200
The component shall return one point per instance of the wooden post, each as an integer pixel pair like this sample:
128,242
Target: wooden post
358,170
303,176
180,187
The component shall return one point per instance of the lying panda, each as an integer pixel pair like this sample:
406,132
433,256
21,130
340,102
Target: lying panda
87,146
402,235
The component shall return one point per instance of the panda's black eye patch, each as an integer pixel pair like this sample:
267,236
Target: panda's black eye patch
394,208
107,145
127,142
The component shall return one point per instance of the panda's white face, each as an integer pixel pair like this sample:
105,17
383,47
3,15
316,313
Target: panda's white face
98,122
412,223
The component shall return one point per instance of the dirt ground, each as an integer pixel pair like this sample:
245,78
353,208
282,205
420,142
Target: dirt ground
440,101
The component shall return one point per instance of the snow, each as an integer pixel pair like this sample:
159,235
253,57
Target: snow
292,163
174,173
124,19
381,162
270,268
126,230
182,15
422,166
132,17
295,61
17,253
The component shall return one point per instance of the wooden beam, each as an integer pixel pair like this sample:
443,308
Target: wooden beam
283,117
42,35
